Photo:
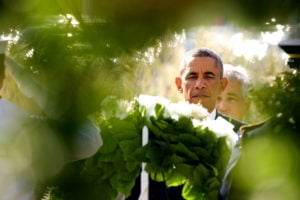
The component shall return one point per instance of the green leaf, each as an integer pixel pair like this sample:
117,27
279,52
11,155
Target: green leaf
159,177
179,159
124,181
202,153
124,129
175,179
183,125
212,187
159,111
106,157
108,170
190,192
189,139
129,146
200,176
155,158
161,124
208,138
119,162
139,154
183,150
110,143
185,169
212,184
131,166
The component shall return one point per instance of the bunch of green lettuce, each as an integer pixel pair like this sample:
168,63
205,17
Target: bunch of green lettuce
177,152
180,153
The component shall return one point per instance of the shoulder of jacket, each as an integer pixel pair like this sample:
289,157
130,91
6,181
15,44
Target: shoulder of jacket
252,129
253,125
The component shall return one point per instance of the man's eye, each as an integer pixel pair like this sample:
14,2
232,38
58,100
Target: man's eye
232,99
191,77
209,76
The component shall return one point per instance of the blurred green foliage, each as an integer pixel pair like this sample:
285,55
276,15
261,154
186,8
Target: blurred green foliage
149,18
72,67
280,98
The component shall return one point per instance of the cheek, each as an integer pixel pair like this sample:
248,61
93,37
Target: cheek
214,89
187,86
239,108
244,107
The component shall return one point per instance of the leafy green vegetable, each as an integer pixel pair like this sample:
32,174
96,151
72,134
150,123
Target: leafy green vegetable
177,153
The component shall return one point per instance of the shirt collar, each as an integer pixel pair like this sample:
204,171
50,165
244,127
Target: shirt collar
212,115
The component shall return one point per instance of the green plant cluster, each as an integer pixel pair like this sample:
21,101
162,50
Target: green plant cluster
281,98
177,153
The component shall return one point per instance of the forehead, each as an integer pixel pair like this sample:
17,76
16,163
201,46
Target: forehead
233,85
201,64
233,88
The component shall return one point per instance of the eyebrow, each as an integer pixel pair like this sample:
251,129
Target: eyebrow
209,73
205,73
232,94
191,73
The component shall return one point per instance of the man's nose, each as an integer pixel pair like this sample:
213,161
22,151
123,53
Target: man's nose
200,83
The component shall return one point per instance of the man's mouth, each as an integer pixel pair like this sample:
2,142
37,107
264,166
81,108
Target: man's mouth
199,96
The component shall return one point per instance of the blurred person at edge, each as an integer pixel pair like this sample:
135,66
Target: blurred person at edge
268,167
234,101
200,81
42,143
15,179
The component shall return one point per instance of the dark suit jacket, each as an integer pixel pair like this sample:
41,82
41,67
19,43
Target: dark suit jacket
228,190
227,180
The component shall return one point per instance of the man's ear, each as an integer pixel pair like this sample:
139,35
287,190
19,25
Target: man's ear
178,83
224,82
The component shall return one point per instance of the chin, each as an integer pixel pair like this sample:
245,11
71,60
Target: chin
198,101
194,99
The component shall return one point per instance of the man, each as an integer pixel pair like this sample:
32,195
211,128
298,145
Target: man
233,101
201,78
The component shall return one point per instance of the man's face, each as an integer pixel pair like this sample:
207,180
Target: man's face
201,82
232,102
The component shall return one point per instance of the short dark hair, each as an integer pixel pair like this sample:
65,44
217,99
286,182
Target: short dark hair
202,52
